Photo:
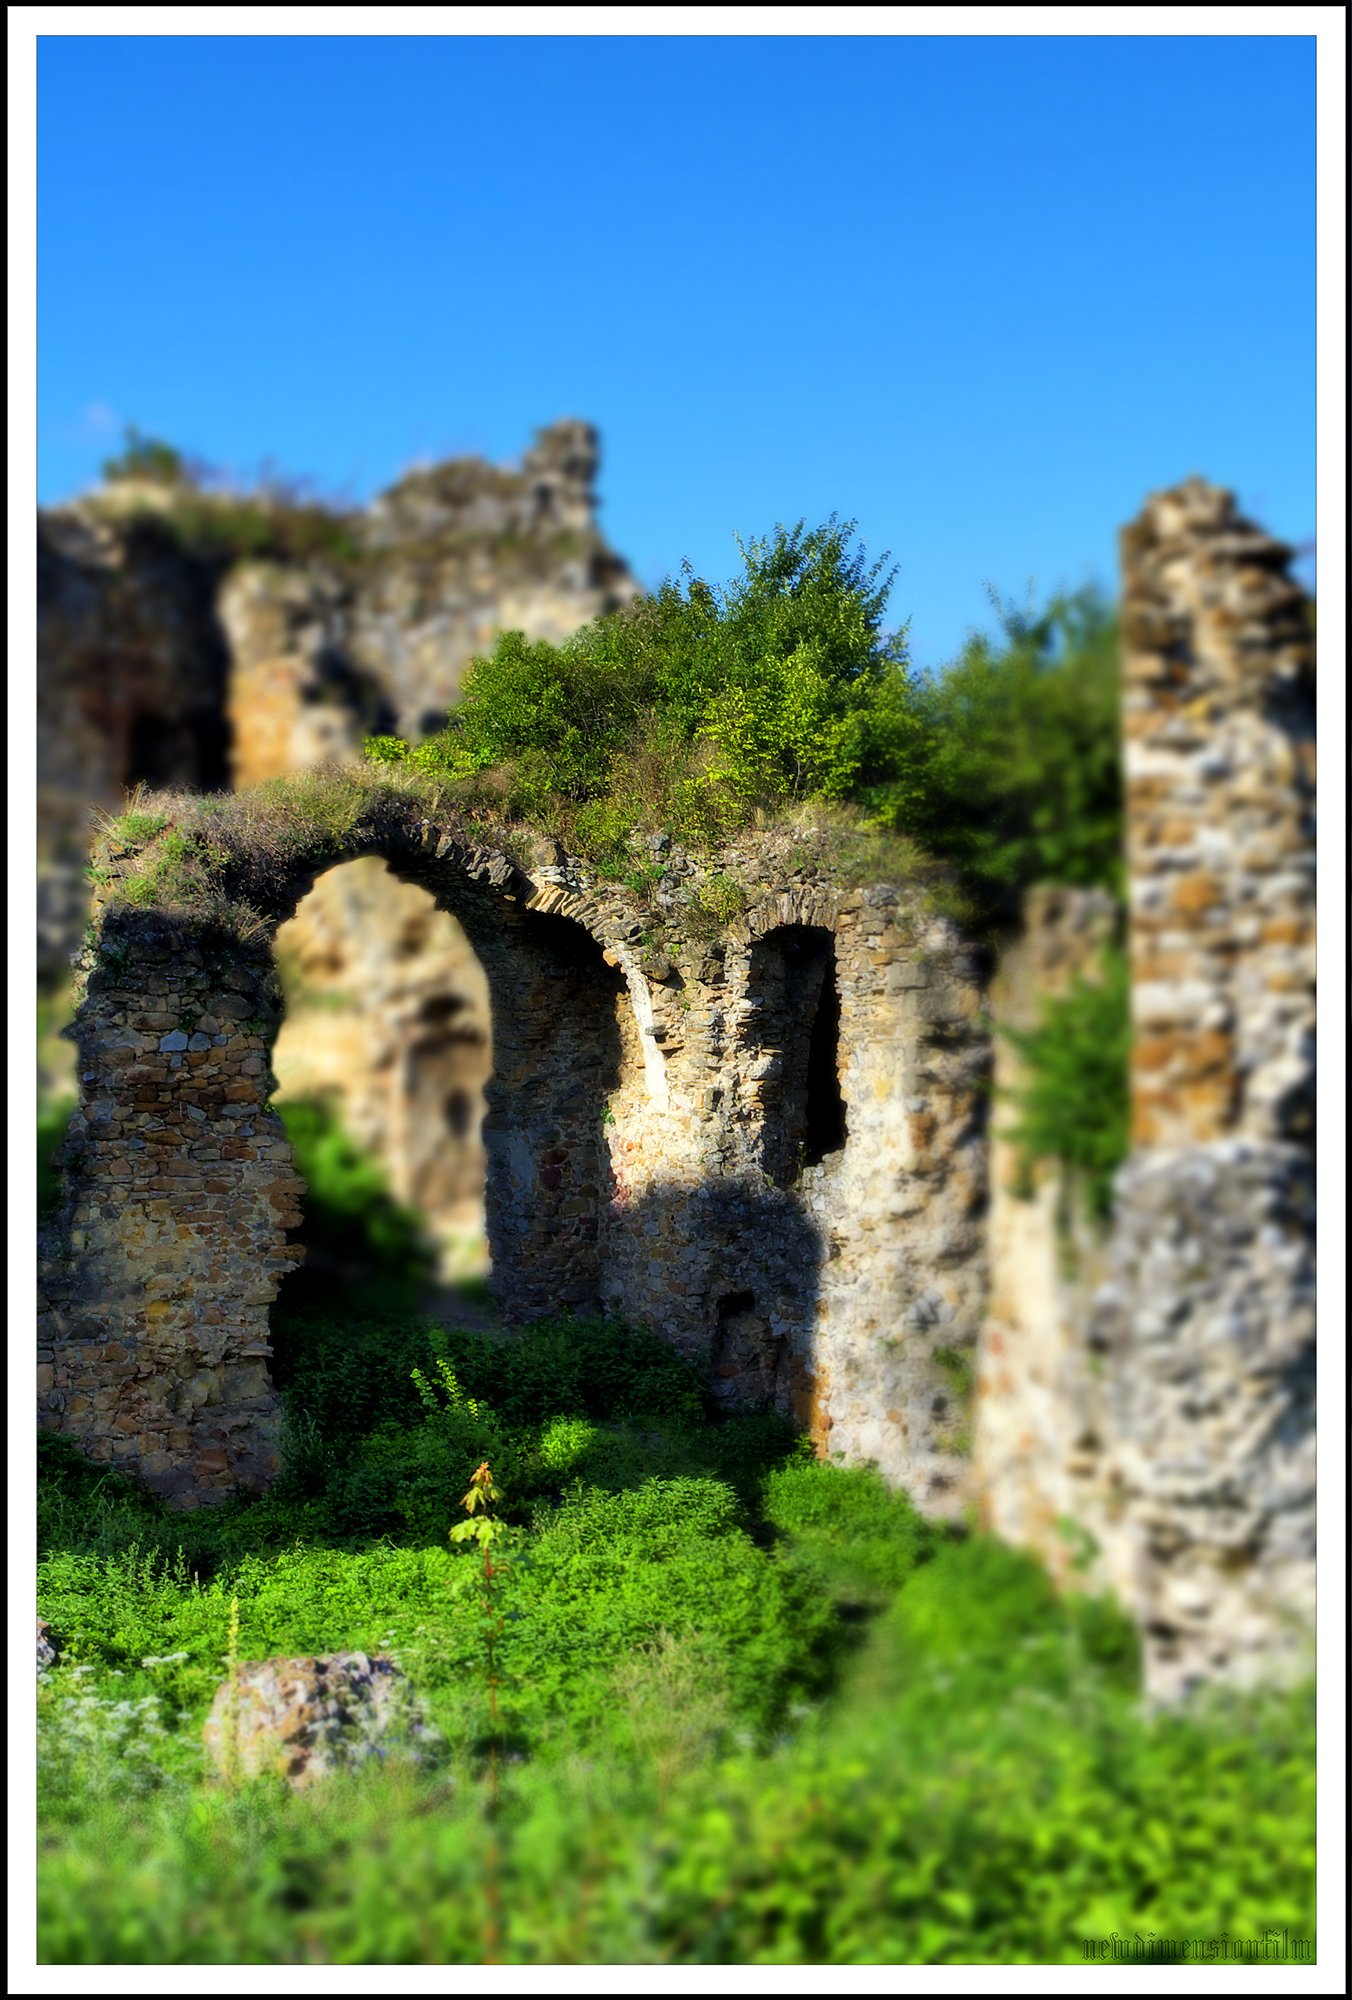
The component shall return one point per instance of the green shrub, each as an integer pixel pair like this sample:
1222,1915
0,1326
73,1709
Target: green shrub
276,521
991,1612
1073,1105
697,711
90,1509
861,1536
146,458
1014,771
689,711
222,528
584,1366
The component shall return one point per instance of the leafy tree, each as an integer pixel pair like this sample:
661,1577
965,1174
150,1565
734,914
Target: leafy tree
1015,767
699,708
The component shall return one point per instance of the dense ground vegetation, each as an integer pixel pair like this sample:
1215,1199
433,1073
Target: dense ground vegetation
753,1709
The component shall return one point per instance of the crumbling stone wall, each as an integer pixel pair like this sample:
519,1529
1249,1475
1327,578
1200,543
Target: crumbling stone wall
160,665
132,666
1218,700
635,1157
1206,1324
1181,1420
154,1287
450,556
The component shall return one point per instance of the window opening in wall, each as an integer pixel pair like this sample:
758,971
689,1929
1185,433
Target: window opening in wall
796,1023
824,1120
734,1304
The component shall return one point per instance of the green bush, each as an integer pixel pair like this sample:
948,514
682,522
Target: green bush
277,521
862,1537
1073,1105
1015,771
691,710
584,1365
991,1611
222,528
697,710
89,1509
147,458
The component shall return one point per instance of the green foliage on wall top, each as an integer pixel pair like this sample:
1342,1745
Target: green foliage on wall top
699,711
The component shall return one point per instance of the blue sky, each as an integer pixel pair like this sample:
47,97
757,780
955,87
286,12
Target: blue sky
981,293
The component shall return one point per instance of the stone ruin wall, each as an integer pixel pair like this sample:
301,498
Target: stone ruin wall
157,666
1165,1399
1155,1388
651,1126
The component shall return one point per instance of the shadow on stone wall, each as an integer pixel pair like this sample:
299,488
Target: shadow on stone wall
557,1059
729,1272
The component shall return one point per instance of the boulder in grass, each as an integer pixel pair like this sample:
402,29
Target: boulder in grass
306,1718
46,1646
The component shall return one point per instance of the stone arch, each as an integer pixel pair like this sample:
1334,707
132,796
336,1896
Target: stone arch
181,1190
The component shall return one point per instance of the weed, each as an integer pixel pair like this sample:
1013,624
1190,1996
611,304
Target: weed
716,903
484,1528
231,1730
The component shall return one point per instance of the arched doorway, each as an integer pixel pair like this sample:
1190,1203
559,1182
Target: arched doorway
387,1034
